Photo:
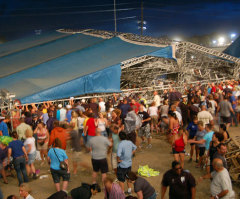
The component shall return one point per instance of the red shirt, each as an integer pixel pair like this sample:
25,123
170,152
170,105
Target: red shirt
91,127
135,107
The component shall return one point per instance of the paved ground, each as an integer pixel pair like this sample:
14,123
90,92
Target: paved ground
158,158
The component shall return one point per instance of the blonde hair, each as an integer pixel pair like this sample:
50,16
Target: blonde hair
25,187
74,114
29,133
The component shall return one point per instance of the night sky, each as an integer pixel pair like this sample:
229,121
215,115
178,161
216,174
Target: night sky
163,17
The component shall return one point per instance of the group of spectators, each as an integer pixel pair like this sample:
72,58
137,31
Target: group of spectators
122,125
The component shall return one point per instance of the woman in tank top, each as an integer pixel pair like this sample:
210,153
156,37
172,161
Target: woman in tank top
102,123
42,140
178,146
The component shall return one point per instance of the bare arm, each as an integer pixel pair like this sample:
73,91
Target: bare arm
193,191
25,152
140,195
163,191
223,193
29,148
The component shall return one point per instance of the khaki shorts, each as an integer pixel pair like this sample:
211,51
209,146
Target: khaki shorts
114,161
77,156
154,120
42,147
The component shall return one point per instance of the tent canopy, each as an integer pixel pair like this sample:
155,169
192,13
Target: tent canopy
70,65
234,48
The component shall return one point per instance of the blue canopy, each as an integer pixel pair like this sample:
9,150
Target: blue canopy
69,66
234,48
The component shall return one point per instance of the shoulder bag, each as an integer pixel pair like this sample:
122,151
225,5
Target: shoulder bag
63,164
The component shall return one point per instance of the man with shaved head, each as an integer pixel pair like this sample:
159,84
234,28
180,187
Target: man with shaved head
221,185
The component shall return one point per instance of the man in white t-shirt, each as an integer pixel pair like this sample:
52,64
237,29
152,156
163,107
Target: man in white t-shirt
205,116
221,185
63,113
102,105
156,99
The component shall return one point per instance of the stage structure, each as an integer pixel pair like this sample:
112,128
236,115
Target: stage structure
192,63
145,71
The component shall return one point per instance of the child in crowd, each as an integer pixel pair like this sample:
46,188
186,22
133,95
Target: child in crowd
192,130
200,147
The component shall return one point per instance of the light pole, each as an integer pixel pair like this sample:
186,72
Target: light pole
115,16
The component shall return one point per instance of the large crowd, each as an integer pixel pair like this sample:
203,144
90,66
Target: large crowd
122,124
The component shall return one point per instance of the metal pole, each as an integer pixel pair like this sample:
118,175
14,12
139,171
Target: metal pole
115,16
142,17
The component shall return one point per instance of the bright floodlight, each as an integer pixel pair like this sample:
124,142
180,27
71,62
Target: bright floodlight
233,35
214,41
177,39
221,40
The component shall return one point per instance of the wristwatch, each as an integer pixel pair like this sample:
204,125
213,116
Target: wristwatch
216,197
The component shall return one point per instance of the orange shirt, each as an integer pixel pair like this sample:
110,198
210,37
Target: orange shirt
61,134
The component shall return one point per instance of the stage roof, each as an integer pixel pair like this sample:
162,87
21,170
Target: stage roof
234,48
63,65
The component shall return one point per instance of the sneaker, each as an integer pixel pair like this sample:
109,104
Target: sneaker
149,146
34,176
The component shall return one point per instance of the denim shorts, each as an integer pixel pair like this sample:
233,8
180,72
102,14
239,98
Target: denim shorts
57,174
31,157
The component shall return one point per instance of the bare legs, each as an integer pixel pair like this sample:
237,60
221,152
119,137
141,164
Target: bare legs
179,157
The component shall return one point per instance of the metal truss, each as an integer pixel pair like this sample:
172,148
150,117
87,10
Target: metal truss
192,63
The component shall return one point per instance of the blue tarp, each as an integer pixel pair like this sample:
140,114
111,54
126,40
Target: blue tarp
28,42
234,48
50,50
91,69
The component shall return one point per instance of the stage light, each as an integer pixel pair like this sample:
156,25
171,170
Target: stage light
233,35
177,39
221,40
214,41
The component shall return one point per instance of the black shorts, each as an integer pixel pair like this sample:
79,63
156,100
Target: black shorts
201,151
122,172
101,165
57,174
190,137
226,120
176,152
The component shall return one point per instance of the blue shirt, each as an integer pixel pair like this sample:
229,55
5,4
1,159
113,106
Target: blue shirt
208,138
55,164
16,146
233,99
4,128
199,136
69,115
58,115
124,152
192,129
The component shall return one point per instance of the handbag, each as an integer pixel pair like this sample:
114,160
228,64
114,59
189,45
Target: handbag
63,164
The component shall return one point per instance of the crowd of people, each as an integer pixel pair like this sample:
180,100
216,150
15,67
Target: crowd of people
121,125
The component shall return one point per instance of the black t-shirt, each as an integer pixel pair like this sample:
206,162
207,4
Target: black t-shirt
143,185
144,115
180,185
